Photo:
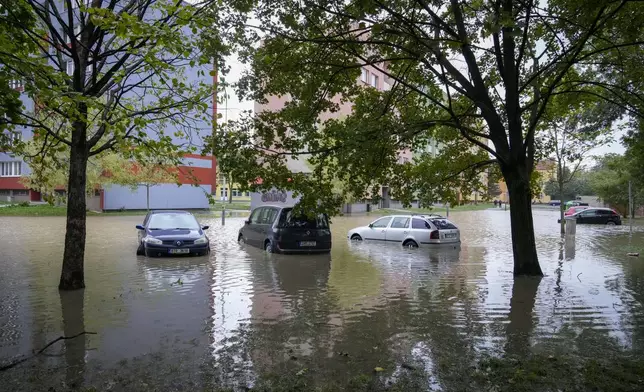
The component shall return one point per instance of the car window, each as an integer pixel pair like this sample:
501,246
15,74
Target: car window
400,222
587,213
443,224
254,217
419,224
173,221
604,212
288,219
382,222
267,216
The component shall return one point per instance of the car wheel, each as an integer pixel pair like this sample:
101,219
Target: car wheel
356,237
268,246
410,244
140,251
610,223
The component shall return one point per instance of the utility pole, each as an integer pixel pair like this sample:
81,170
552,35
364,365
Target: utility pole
631,210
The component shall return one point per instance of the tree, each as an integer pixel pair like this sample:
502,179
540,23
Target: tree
15,45
147,174
572,126
481,73
111,75
610,179
50,173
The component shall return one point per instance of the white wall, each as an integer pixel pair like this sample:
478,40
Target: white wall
162,196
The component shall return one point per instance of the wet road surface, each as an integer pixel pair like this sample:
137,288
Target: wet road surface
238,314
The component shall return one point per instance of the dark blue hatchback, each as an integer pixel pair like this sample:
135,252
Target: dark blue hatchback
171,233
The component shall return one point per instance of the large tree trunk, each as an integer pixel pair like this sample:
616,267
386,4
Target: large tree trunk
73,276
524,248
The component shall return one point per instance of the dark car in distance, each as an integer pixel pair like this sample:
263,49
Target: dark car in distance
279,230
171,232
598,216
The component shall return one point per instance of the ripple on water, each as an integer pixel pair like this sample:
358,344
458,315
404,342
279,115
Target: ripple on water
251,312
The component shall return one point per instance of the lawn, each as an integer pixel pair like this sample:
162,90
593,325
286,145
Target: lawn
235,205
49,210
436,210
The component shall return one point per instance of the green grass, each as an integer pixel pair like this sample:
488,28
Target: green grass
241,205
436,210
49,210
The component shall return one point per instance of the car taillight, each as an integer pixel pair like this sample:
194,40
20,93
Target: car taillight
434,235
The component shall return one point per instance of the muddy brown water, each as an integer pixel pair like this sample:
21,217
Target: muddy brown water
239,314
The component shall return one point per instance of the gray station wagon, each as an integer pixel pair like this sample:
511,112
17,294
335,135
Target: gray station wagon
278,230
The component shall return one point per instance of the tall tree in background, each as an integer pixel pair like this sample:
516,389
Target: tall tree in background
570,129
479,74
110,75
610,178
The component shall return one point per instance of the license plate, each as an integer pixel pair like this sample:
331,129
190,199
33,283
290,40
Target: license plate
307,243
450,235
179,251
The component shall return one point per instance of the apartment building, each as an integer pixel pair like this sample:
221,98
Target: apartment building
197,173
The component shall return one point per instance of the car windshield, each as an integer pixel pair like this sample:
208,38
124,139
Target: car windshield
287,219
443,224
173,221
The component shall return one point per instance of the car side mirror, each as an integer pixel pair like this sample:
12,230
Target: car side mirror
205,228
247,221
371,225
140,227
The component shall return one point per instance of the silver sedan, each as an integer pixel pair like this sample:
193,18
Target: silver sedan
409,230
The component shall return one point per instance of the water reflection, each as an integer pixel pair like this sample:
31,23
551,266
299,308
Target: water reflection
72,306
239,314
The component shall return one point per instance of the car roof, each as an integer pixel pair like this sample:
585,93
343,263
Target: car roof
421,216
170,212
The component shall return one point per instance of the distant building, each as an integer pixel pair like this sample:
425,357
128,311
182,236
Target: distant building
547,171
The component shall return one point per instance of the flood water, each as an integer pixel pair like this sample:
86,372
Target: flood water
235,316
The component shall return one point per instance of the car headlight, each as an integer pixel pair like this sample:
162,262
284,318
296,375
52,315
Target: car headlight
201,240
152,240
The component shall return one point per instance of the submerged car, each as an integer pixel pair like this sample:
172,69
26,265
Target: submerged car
279,230
171,233
598,216
409,230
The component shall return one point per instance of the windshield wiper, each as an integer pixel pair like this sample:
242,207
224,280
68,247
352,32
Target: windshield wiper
183,228
155,228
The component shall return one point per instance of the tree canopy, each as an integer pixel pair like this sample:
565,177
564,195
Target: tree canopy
130,77
476,75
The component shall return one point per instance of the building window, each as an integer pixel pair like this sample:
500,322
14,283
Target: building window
16,84
4,192
374,80
10,169
365,75
70,68
247,194
223,192
17,137
20,192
